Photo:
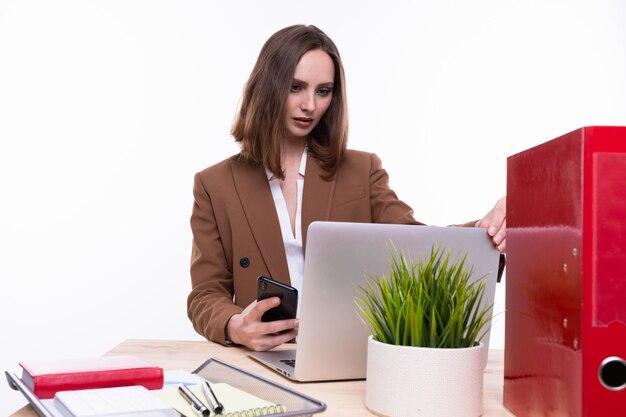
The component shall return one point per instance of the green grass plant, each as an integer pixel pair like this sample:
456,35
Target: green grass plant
428,303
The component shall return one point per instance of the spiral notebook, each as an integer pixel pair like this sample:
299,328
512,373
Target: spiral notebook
237,403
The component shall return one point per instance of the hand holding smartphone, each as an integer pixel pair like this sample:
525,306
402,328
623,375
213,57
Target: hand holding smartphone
267,288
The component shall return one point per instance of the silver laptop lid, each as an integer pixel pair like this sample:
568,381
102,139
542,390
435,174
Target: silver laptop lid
332,339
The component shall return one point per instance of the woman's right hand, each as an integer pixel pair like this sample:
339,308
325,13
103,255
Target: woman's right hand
246,328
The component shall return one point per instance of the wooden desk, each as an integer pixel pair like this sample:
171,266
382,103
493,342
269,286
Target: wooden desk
344,398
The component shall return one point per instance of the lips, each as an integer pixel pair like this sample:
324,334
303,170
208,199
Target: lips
303,122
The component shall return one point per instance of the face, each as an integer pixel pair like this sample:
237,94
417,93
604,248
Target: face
310,93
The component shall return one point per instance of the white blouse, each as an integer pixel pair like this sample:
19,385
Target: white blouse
293,244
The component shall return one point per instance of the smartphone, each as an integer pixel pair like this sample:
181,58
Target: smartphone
267,287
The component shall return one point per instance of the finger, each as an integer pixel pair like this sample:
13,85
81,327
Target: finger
500,234
488,222
249,308
256,332
284,337
280,325
494,218
270,341
260,307
499,239
497,225
264,336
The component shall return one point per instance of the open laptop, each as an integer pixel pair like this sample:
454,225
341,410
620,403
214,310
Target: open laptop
332,339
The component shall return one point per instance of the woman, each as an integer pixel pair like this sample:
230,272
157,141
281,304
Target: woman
252,210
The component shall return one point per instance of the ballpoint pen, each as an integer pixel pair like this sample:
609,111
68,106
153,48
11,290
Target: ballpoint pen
215,404
197,406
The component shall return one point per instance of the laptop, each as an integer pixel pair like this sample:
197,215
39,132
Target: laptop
332,339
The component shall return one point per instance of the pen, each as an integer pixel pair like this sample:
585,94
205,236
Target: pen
196,405
215,404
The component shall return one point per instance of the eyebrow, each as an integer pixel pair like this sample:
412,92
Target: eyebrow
327,84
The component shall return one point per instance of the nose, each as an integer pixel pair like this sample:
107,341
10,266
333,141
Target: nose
308,102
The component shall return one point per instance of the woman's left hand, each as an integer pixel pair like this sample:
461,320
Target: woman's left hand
495,223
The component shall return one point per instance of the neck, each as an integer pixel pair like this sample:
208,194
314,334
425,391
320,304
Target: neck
292,148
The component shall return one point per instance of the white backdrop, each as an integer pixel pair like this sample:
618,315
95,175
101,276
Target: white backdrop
108,108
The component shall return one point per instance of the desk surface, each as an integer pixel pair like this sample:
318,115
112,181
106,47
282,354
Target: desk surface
343,398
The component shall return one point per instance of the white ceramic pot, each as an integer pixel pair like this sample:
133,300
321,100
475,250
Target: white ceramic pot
404,381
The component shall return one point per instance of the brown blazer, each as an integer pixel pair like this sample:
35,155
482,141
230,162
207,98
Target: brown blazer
236,232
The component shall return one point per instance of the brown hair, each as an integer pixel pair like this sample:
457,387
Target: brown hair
259,125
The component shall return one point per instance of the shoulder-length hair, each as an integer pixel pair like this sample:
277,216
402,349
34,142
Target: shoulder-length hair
259,125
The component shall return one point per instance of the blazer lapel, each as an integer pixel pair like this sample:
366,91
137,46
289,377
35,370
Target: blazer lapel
256,198
317,196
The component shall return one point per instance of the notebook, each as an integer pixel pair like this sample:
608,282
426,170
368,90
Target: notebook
332,339
236,402
118,401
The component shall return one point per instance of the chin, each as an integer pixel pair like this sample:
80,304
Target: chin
299,135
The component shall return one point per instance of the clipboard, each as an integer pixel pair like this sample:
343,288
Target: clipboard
215,370
294,402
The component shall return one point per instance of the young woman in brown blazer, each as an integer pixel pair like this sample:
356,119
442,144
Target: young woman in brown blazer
252,210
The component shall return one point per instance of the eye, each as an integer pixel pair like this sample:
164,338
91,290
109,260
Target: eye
324,91
295,88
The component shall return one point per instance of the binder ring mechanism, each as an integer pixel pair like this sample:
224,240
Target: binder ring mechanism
612,373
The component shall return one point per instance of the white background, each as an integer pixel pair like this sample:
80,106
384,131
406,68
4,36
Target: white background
108,108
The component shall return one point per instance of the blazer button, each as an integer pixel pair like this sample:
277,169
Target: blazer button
244,262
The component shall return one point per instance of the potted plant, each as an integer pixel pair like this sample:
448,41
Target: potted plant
426,320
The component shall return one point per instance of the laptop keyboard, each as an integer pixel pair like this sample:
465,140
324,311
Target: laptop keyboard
290,362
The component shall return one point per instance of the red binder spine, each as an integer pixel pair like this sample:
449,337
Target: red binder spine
46,378
604,273
45,386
